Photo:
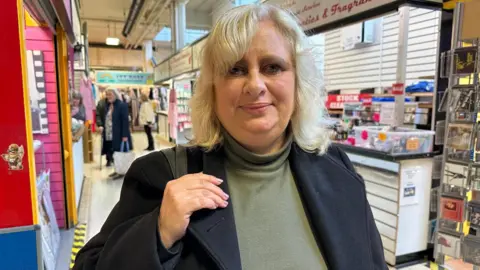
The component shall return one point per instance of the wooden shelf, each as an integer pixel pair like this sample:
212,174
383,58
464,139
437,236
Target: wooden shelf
335,111
425,105
407,95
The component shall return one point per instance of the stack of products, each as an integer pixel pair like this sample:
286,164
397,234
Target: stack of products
458,228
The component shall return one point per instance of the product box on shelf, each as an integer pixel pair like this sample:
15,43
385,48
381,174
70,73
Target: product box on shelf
399,141
449,244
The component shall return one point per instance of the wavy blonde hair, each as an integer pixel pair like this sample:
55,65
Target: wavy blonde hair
227,43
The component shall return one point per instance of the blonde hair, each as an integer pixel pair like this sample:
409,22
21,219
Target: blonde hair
227,43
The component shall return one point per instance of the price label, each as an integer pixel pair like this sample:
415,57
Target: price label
413,144
382,136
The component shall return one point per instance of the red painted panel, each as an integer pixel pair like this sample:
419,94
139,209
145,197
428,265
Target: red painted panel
15,200
42,39
52,118
53,138
38,33
57,195
52,158
41,45
49,57
51,87
51,97
51,78
49,66
55,172
52,148
52,109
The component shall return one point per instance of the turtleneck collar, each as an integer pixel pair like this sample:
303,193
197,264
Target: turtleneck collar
243,159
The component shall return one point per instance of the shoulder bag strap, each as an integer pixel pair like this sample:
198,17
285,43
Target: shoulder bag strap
177,159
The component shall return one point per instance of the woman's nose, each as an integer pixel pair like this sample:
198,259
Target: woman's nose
255,84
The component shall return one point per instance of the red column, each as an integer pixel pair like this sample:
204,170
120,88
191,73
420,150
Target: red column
17,171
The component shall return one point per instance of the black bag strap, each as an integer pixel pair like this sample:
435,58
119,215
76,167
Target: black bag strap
177,159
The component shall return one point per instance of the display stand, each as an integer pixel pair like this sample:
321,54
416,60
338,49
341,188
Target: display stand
458,226
88,145
398,190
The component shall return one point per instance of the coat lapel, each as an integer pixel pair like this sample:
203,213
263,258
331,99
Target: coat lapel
332,198
215,230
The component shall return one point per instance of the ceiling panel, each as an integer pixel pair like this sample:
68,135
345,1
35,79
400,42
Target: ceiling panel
202,5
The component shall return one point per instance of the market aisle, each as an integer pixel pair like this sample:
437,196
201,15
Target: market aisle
105,193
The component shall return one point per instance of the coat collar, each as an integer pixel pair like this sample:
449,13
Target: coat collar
216,230
327,190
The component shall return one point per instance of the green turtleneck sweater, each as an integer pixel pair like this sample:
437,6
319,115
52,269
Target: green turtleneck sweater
272,228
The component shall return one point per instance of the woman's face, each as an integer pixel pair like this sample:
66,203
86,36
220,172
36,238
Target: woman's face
76,102
255,100
110,96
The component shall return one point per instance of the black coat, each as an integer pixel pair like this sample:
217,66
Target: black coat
120,125
333,195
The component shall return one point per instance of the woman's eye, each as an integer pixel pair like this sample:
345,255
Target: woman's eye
236,71
272,69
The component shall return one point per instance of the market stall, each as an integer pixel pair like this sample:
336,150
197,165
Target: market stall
380,63
32,187
130,85
457,235
177,75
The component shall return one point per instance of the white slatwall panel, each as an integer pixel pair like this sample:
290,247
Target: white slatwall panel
376,66
422,43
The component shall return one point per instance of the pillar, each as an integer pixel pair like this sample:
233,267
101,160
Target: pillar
148,54
180,24
18,197
173,27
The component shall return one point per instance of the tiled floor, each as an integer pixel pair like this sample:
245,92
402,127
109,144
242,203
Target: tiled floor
99,196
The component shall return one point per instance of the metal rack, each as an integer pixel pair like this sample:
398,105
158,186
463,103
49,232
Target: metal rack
460,161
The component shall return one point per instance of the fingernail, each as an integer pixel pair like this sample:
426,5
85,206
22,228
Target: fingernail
225,203
225,195
219,180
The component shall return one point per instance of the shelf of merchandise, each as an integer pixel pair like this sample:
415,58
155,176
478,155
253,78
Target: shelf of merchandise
458,227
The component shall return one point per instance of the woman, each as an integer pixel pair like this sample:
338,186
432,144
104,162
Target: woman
78,109
264,188
146,119
114,125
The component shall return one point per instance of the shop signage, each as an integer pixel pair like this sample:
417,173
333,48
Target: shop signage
181,62
162,71
316,13
398,89
337,101
197,53
116,77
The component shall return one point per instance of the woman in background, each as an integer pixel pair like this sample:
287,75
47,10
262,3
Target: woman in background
115,129
147,119
78,109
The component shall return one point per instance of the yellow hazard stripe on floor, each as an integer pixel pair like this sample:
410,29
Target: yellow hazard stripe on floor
78,242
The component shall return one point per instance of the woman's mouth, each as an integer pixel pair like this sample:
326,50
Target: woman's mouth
256,108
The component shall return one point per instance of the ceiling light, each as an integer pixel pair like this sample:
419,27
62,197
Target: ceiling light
112,41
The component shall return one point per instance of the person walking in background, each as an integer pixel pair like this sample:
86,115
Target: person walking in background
115,125
147,119
78,109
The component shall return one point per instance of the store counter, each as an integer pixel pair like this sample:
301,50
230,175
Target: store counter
162,122
398,190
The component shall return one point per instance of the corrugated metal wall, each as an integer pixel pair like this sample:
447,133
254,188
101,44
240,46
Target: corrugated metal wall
375,66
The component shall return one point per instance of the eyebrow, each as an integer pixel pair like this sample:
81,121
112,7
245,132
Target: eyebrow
267,58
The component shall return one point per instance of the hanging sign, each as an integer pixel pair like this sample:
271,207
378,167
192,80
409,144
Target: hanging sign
337,101
181,62
316,13
162,71
197,53
118,77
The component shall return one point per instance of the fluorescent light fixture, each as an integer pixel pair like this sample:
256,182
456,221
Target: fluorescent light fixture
112,41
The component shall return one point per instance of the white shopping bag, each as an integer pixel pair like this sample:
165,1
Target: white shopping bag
123,159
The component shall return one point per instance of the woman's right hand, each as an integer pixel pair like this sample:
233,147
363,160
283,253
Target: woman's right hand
181,198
